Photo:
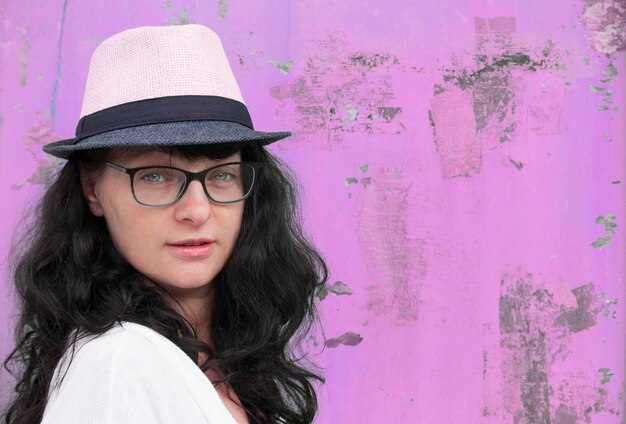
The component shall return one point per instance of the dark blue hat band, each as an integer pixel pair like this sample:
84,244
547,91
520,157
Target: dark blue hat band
161,110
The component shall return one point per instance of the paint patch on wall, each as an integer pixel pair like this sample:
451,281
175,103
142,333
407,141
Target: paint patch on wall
536,332
454,125
394,260
606,21
337,91
346,339
493,93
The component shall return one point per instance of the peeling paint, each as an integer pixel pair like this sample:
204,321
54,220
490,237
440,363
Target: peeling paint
284,66
364,167
347,339
535,334
351,180
182,19
33,139
601,242
606,21
326,108
389,113
608,304
365,182
606,375
608,221
609,229
223,9
337,288
352,112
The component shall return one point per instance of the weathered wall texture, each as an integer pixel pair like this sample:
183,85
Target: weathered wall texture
463,164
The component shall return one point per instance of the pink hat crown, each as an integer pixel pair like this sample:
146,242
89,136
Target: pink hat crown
151,62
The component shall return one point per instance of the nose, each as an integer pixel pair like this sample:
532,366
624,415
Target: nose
194,207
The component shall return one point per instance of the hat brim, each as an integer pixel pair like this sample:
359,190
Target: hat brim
166,134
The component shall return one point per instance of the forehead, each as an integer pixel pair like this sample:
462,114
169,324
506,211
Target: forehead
161,155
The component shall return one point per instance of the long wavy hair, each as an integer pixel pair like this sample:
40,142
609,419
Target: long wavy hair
69,276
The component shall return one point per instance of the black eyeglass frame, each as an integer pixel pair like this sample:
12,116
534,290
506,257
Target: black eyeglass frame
189,177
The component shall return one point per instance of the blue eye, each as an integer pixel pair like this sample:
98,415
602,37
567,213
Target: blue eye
223,176
154,178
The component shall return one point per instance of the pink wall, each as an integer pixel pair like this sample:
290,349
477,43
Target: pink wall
463,164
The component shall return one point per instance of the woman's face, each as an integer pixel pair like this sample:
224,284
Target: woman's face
150,237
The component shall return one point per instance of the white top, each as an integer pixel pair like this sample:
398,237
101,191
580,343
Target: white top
132,374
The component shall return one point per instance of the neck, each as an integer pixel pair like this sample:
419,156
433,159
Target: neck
196,306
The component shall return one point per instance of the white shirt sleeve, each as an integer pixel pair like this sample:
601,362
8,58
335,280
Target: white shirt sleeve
120,378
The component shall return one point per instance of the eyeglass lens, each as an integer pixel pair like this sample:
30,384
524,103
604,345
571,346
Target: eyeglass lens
161,186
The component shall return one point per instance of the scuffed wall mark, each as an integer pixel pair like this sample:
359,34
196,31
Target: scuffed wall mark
536,332
57,79
336,91
374,60
606,21
606,375
1,120
492,397
35,137
545,111
347,339
609,229
364,167
616,182
22,59
182,19
284,66
351,180
518,165
168,3
223,9
337,288
394,260
454,124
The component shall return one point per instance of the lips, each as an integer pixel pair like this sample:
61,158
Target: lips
191,247
191,242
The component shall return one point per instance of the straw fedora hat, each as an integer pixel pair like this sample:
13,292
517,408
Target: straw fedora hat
161,86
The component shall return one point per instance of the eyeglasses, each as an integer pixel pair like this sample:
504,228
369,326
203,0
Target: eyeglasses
165,185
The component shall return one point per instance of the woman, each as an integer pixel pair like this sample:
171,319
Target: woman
166,277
